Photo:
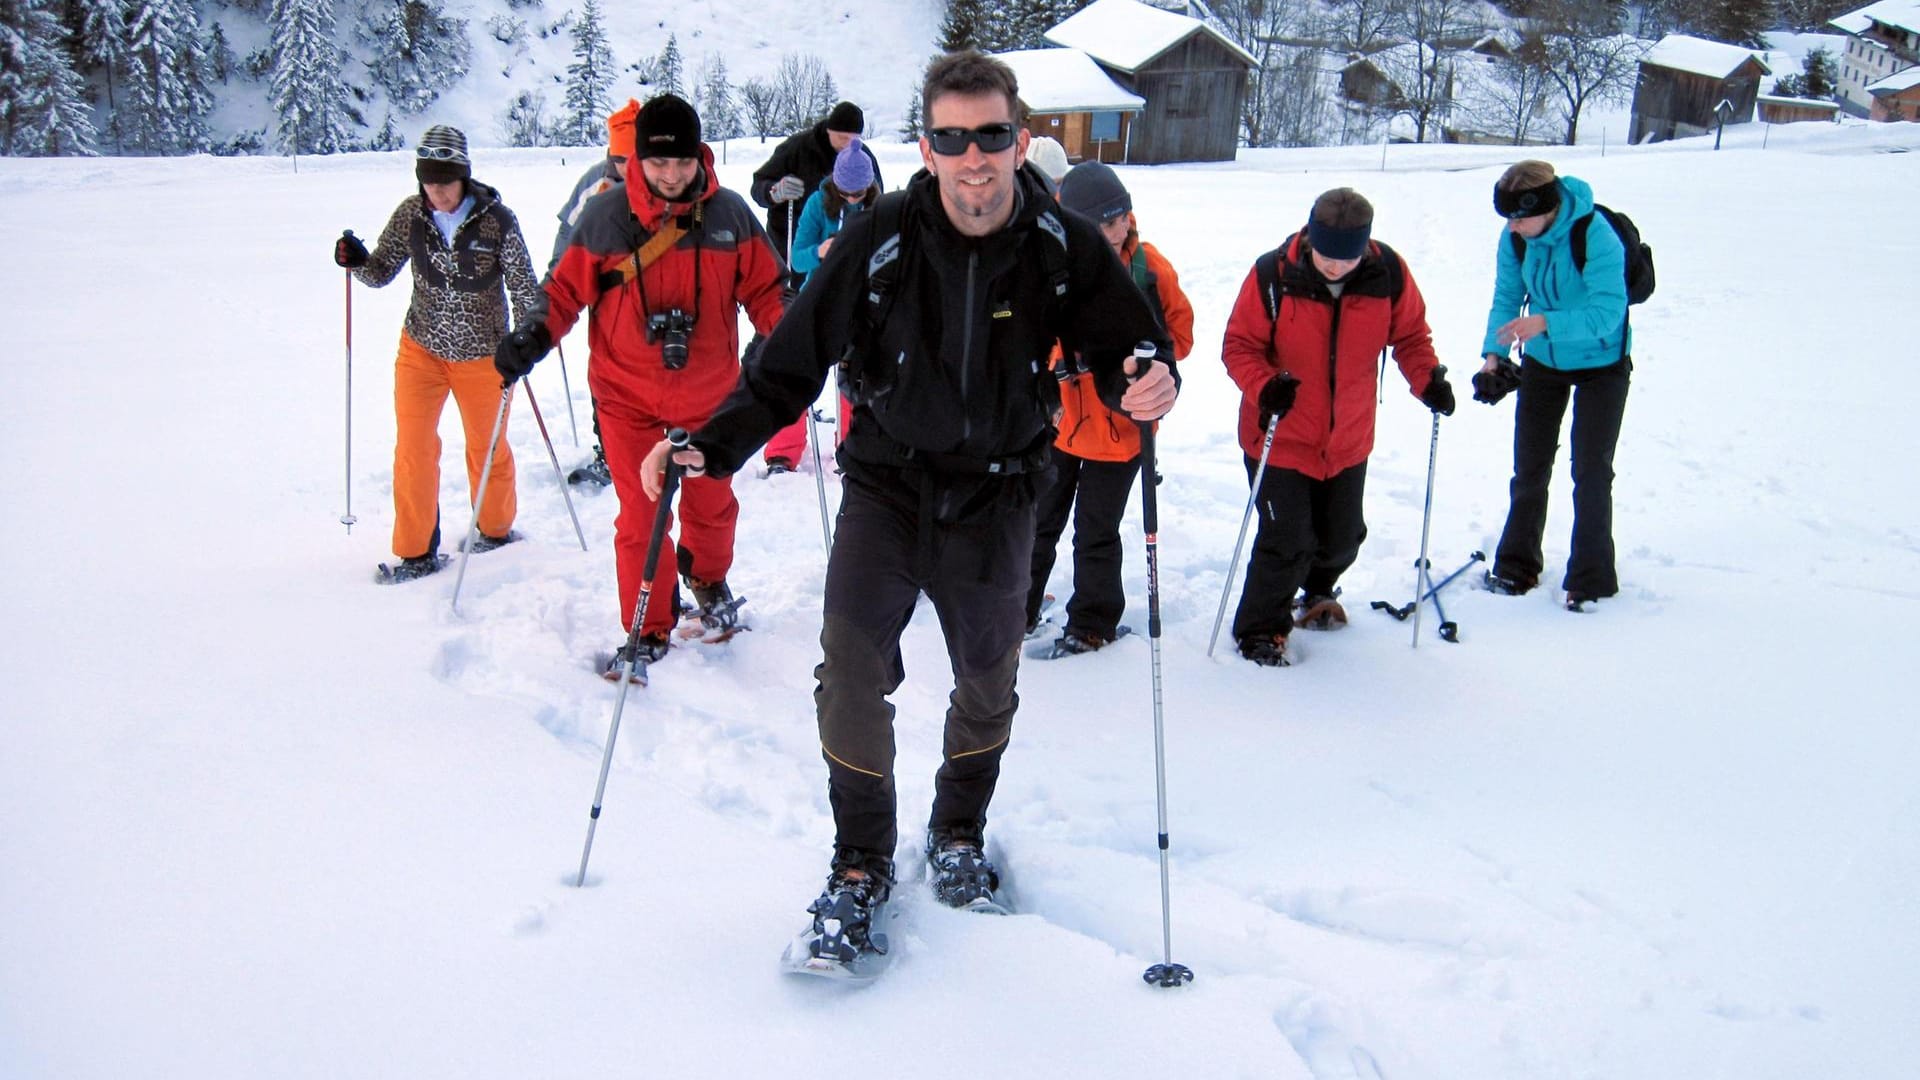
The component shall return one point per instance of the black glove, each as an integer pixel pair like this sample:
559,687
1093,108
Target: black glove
1491,386
520,350
349,252
1276,398
1438,396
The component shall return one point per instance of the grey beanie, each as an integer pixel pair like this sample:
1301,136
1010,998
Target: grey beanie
441,157
1094,189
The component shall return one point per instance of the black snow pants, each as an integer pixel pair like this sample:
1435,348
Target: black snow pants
1599,402
1094,494
1310,532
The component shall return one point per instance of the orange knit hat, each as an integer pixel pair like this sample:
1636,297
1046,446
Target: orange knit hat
620,130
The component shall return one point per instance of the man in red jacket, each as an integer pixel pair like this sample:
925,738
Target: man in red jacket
664,262
1301,345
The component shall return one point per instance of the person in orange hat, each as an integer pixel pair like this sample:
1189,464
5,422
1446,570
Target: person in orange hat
603,175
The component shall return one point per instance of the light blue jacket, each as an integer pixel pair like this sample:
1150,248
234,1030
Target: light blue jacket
1586,311
815,227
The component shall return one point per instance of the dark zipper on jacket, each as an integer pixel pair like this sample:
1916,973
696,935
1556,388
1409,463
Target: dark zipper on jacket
1333,363
966,350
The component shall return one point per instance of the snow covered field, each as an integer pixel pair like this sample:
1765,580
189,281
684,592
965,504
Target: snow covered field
258,818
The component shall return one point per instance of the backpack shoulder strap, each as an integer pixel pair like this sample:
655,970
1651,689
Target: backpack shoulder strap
1266,272
1050,233
884,242
1396,272
1577,240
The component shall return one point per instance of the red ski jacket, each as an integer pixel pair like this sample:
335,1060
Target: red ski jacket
723,263
1330,345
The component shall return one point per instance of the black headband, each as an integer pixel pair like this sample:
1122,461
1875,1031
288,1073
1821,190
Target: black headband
1527,202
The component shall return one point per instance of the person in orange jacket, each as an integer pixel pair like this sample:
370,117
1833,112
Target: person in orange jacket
665,264
1301,345
1096,454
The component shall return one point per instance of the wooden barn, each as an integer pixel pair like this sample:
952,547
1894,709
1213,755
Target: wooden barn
1684,79
1071,98
1192,78
1897,97
1792,110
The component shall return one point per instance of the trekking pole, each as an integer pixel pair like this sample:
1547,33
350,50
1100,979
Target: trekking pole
558,476
347,518
566,387
678,437
1423,578
1245,519
479,496
1166,974
819,475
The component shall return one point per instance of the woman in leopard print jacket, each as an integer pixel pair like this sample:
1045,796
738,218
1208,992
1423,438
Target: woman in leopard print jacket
468,256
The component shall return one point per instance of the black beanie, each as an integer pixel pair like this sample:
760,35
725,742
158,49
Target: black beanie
1094,189
847,116
667,127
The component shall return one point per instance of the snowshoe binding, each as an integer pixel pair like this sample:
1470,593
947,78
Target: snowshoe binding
409,569
841,942
1505,585
1320,612
776,466
483,543
647,649
960,873
1073,643
1580,601
594,473
716,610
1267,650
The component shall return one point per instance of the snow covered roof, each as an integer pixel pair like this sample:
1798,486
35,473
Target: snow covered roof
1067,80
1904,14
1798,102
1700,56
1896,82
1128,35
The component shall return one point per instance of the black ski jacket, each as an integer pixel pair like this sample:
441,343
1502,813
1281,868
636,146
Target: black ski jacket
967,332
808,155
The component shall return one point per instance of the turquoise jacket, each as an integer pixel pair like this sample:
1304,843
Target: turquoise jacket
815,227
1586,311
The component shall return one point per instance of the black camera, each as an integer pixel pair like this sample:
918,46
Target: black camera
669,330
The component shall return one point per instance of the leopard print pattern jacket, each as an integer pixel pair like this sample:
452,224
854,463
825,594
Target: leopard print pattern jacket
459,308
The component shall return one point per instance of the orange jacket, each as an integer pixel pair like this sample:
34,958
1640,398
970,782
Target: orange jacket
1090,430
723,264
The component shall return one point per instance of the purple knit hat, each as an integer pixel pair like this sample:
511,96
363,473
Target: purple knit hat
852,171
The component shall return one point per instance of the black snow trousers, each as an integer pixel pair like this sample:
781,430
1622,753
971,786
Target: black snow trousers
966,543
1094,494
1310,533
1599,402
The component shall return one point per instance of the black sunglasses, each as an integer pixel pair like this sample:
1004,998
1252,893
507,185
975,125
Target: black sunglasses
952,142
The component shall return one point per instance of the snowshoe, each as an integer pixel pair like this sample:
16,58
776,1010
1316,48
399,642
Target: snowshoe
717,611
841,942
1040,619
483,543
776,466
960,873
649,647
1580,602
408,569
1073,643
1320,612
593,474
1267,650
1506,586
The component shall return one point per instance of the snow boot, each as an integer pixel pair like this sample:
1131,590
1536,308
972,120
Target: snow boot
717,608
778,465
1505,585
484,543
409,569
959,871
1267,650
843,914
650,647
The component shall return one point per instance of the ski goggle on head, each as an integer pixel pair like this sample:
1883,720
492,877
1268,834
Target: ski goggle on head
952,141
437,153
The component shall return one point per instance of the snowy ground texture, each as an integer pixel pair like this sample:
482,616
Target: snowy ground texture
259,818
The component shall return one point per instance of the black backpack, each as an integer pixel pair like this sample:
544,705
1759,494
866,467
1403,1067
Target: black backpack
1639,262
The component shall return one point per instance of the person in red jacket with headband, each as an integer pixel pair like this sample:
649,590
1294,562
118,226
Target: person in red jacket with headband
664,264
1310,320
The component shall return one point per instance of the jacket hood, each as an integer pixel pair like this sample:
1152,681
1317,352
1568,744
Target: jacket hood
651,210
1576,202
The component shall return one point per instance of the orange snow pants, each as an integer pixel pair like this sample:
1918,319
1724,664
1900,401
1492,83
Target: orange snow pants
421,381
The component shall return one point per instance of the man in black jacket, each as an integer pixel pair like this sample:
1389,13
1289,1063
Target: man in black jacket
951,424
800,163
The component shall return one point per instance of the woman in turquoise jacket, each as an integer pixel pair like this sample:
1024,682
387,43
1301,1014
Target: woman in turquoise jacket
850,189
1570,322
